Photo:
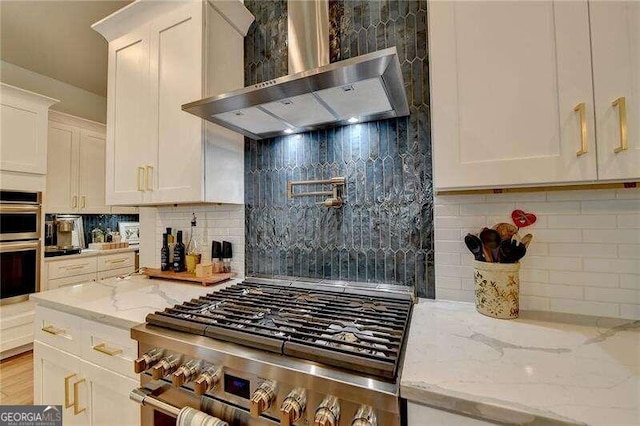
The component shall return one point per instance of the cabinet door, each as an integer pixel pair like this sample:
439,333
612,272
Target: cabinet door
62,168
57,381
108,397
615,37
505,79
92,172
176,78
127,118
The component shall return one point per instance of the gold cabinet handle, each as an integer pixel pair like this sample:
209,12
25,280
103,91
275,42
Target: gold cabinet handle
621,103
140,178
67,403
581,110
83,202
102,348
53,330
73,268
74,201
149,175
76,404
117,261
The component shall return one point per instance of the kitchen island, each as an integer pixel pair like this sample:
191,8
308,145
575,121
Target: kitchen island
83,351
542,368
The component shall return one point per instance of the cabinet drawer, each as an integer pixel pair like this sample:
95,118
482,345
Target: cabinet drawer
115,272
72,267
116,261
58,329
109,347
63,282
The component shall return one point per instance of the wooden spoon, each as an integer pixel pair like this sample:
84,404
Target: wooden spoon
526,240
506,230
490,240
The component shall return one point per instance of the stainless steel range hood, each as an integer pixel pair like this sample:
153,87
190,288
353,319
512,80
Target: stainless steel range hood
365,88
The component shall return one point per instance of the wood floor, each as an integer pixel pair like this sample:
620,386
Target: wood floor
16,380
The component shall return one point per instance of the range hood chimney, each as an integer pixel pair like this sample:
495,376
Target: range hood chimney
315,94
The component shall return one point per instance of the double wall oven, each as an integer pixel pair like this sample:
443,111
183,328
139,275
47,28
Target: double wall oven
20,245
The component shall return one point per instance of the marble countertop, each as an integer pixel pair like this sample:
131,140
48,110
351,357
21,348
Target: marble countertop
542,368
121,302
91,252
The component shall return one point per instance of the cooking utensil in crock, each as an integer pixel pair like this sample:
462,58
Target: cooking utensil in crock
491,240
506,230
511,251
475,246
526,240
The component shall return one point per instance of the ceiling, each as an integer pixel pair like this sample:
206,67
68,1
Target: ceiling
54,38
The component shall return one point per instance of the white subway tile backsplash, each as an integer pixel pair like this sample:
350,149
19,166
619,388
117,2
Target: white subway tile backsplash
630,281
630,311
619,266
551,290
547,207
626,221
583,250
585,307
447,259
595,221
550,263
450,294
534,303
615,295
619,236
620,206
629,251
583,279
584,257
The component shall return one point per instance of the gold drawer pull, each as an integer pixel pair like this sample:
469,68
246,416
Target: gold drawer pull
117,261
53,330
102,348
67,403
83,202
581,109
76,405
141,174
621,103
73,268
149,177
74,201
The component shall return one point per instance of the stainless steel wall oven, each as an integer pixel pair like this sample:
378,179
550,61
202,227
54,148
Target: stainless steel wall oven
20,245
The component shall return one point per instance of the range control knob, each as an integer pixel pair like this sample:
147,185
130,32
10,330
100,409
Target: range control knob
207,380
262,398
185,373
165,366
293,406
328,412
365,417
147,360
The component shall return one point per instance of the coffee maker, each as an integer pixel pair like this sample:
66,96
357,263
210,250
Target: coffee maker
64,235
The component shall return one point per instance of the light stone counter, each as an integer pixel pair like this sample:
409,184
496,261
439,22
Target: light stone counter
539,369
120,302
90,253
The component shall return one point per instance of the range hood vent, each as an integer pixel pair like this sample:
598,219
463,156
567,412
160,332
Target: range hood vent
365,88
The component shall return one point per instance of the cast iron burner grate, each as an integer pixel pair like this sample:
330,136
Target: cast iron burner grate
359,330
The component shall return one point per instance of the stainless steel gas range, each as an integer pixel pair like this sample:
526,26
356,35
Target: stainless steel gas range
266,352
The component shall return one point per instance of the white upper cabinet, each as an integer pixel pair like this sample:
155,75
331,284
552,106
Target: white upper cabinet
161,56
615,37
512,90
75,165
23,130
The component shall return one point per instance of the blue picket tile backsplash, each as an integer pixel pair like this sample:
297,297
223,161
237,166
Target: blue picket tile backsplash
384,231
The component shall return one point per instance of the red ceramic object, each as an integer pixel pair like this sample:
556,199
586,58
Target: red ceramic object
522,219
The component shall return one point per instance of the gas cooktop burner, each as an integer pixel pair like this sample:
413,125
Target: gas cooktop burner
357,330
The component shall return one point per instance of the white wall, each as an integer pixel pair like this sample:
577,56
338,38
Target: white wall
73,100
215,222
584,258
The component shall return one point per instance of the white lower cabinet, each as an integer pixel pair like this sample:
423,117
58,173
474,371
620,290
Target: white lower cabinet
419,415
92,378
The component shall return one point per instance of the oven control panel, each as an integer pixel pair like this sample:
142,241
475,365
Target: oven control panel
262,400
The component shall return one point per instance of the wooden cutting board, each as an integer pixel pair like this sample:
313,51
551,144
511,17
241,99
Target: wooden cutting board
186,276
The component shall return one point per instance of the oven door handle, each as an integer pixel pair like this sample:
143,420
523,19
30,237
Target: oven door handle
19,246
145,396
9,208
